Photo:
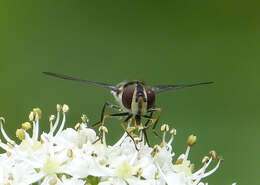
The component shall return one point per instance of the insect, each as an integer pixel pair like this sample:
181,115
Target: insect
135,99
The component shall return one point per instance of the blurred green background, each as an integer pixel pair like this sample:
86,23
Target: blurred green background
160,42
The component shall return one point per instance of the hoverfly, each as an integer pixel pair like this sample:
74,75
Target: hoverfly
135,99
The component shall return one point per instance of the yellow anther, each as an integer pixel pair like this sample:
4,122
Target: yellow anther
26,125
213,154
53,181
173,131
20,134
78,126
103,129
156,149
179,161
58,107
38,113
205,159
70,153
157,176
32,116
2,120
165,128
139,172
191,140
84,118
94,154
220,158
10,177
65,108
51,118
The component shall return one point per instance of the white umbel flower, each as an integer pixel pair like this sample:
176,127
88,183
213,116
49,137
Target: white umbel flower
67,156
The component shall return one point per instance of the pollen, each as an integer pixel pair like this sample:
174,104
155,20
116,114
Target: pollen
26,126
51,166
125,170
191,140
20,134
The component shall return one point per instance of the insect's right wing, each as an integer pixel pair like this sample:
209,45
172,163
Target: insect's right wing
163,88
97,84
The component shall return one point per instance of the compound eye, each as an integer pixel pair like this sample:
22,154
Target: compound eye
128,96
150,97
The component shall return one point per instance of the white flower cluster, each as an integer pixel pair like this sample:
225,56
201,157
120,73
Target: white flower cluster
78,156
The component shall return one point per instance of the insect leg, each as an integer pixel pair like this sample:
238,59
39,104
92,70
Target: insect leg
103,111
145,136
123,126
108,116
145,127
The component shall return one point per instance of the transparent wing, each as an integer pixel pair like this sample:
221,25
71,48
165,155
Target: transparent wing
163,88
97,84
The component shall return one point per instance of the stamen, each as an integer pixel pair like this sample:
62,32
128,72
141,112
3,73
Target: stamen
191,140
213,170
20,134
84,119
52,130
103,130
164,129
199,174
51,118
2,120
6,147
156,149
173,133
26,126
65,109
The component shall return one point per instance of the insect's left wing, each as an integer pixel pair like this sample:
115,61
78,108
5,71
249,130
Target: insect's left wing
97,84
163,88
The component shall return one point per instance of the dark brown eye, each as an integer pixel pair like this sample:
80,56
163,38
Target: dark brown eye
128,96
150,97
